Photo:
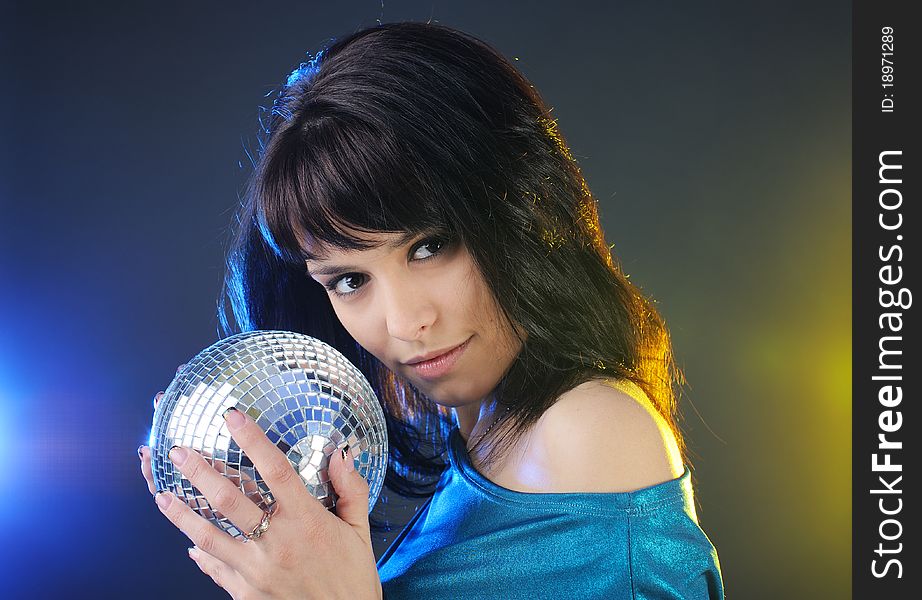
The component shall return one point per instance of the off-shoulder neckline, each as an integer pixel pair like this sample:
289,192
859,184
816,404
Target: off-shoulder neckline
672,491
669,492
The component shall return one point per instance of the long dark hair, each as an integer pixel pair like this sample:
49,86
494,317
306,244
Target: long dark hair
411,127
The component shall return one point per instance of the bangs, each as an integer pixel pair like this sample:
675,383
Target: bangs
327,181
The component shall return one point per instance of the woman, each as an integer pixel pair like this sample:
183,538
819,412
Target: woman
415,206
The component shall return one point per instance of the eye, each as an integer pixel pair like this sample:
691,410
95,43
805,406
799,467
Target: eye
352,281
433,246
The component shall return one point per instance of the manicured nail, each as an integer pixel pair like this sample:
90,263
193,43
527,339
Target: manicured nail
178,455
163,499
193,552
347,458
234,418
141,451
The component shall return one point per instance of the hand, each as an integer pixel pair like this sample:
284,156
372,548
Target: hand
144,451
307,552
147,471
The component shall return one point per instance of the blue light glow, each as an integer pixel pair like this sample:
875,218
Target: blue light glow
9,441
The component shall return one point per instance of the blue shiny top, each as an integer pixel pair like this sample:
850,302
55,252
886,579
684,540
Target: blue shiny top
475,539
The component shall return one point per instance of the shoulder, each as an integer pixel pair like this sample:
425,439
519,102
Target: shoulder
597,438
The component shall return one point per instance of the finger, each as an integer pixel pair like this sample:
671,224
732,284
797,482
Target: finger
157,397
219,571
221,493
146,471
202,533
179,368
273,466
352,491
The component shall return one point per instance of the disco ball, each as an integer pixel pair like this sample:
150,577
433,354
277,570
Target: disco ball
307,397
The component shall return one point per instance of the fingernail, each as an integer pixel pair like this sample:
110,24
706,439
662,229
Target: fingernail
141,451
193,552
157,398
234,418
163,499
347,459
178,455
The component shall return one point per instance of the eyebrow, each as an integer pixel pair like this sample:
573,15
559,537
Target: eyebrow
404,239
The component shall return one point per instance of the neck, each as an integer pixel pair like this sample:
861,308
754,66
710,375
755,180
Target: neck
474,420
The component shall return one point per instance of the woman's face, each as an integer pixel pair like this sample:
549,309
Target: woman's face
412,299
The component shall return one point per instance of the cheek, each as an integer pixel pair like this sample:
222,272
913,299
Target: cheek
492,323
470,295
368,329
479,303
359,326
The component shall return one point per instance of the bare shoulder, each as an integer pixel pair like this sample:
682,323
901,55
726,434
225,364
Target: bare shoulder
597,438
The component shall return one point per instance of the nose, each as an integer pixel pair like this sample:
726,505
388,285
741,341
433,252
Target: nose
408,311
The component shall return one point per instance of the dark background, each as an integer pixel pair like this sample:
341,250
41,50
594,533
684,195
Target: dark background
716,136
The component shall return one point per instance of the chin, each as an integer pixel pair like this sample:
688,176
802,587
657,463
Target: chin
455,394
456,390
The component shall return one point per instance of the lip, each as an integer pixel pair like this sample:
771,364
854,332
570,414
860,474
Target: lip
434,355
440,364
